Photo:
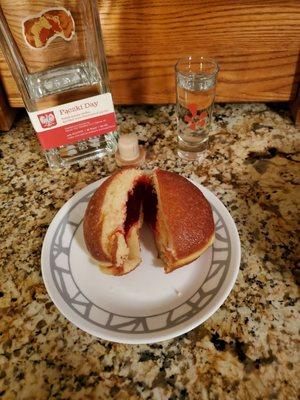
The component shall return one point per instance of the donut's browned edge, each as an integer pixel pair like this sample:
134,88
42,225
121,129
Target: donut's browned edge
188,217
92,222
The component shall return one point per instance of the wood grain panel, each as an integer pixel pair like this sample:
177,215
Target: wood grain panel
295,108
256,43
7,114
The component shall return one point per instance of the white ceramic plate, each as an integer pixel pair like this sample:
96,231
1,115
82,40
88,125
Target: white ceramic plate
146,305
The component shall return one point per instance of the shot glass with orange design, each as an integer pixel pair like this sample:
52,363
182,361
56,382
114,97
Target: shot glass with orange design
195,93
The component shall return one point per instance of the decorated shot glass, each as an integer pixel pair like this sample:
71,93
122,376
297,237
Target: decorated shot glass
195,93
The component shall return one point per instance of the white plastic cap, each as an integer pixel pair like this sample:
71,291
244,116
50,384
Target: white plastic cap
128,147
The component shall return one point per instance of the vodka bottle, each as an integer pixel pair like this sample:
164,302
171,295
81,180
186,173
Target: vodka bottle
56,55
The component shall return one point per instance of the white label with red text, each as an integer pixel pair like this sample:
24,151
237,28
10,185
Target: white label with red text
72,122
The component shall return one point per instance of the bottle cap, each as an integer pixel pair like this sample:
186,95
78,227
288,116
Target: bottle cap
128,147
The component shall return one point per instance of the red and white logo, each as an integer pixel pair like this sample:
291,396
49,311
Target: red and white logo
47,119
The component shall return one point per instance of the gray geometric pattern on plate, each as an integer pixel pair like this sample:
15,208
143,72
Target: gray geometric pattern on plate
63,279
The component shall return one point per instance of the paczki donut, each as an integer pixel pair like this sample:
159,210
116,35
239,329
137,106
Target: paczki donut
176,210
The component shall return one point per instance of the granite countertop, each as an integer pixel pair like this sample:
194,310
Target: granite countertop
246,350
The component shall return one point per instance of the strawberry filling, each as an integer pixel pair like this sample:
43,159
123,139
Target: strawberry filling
150,206
142,195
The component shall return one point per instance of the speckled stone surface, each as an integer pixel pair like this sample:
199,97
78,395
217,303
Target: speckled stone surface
248,349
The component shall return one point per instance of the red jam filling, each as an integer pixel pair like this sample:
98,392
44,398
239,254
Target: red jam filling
150,206
142,194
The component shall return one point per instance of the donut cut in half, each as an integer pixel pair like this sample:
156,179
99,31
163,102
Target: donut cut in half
176,210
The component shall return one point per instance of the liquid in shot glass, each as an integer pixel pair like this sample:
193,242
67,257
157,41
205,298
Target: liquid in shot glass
195,94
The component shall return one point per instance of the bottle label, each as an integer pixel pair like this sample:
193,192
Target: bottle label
75,121
41,29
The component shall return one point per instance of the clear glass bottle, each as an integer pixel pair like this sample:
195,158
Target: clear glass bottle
56,55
